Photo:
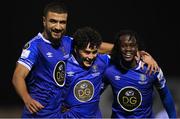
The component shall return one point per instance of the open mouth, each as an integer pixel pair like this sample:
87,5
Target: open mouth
88,62
57,34
128,56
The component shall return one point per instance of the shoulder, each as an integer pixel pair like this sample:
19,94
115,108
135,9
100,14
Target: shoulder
33,42
156,74
37,39
67,38
159,74
102,60
67,41
104,57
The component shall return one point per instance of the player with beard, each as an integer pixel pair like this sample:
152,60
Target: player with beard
40,72
132,87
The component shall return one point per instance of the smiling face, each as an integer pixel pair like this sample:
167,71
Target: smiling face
86,43
128,48
54,26
87,56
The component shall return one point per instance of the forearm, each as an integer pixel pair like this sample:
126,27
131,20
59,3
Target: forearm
106,48
168,102
20,87
19,83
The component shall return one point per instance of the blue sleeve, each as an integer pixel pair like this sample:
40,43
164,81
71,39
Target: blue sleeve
167,101
29,54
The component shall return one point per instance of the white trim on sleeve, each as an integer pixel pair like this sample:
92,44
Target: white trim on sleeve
24,64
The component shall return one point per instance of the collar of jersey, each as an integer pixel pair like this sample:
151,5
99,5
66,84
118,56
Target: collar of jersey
138,65
45,40
74,59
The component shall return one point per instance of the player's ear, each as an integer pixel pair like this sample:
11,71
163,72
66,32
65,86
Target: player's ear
44,20
75,49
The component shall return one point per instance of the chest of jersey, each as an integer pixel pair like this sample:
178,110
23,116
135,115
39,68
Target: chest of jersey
84,84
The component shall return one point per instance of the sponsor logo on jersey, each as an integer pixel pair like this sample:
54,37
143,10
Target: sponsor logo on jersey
49,54
84,91
65,54
129,98
142,79
70,73
59,73
117,77
94,68
26,46
95,71
25,53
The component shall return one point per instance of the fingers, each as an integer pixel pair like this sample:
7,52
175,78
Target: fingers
32,109
138,56
34,106
156,67
142,53
152,68
148,68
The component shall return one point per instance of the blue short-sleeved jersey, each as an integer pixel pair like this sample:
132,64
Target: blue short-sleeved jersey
133,91
84,86
47,73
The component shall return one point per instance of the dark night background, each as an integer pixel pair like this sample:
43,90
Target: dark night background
155,22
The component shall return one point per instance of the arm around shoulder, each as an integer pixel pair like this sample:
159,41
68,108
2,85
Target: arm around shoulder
106,48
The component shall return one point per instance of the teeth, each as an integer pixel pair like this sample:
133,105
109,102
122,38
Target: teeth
128,56
128,53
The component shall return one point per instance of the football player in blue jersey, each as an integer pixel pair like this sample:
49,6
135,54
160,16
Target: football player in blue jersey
107,47
132,87
40,72
84,75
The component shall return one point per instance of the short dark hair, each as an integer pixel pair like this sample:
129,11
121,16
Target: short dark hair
86,35
55,6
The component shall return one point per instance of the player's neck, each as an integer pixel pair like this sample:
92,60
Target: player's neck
44,35
128,65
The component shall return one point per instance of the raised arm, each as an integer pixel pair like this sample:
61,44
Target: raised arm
106,48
